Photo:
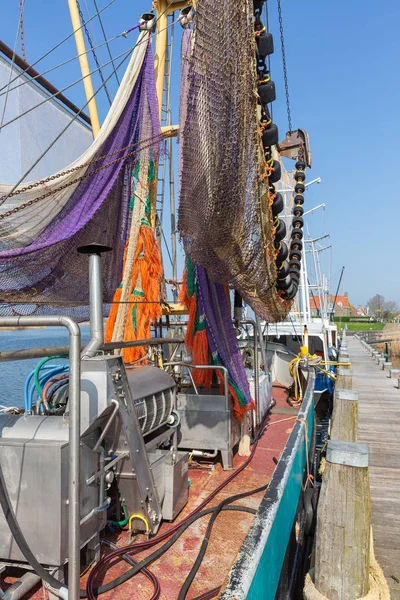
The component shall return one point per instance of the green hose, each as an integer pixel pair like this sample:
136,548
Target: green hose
40,364
125,520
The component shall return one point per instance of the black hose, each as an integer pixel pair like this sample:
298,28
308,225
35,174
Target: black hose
208,595
133,563
189,579
92,593
20,538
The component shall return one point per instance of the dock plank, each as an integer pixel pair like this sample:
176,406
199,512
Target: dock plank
379,426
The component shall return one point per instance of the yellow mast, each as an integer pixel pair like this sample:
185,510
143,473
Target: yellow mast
84,64
163,8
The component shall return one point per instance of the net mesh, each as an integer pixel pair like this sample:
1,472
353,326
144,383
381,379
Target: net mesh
225,218
48,276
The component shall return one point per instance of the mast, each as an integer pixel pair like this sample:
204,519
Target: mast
84,64
163,8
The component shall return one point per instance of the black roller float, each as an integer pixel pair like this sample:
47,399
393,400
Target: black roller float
300,176
297,222
299,188
282,253
300,165
284,283
298,210
295,264
270,136
265,44
297,233
299,199
277,205
291,291
280,231
283,271
276,172
296,244
294,254
266,91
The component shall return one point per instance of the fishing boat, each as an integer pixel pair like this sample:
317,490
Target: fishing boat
161,459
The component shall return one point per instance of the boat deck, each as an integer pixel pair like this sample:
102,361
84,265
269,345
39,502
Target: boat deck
227,535
379,427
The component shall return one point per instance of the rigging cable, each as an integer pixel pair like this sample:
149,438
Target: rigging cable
4,198
67,87
89,39
123,34
54,47
285,75
105,40
7,86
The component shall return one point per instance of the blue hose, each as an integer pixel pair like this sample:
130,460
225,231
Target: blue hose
28,380
51,371
50,375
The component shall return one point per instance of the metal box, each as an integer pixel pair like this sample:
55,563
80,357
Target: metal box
207,423
36,474
176,484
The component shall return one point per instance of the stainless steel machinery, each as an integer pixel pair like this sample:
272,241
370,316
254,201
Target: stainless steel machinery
126,422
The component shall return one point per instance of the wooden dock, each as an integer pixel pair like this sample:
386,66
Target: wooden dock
379,427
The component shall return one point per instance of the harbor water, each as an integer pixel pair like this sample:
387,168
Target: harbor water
14,373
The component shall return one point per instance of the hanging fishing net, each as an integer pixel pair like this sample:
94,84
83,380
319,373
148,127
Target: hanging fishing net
225,218
43,223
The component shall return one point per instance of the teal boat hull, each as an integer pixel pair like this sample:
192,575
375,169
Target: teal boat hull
257,569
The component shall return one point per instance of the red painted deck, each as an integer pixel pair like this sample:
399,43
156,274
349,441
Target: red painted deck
228,533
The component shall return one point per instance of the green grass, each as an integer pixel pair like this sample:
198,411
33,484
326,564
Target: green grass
351,326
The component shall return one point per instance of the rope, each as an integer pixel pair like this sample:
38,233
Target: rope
378,587
82,18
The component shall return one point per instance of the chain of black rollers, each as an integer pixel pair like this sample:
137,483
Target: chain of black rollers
288,271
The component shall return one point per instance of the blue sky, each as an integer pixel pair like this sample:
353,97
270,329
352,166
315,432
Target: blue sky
342,62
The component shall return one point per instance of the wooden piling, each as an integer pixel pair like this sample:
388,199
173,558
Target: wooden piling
344,361
345,415
394,373
342,551
344,378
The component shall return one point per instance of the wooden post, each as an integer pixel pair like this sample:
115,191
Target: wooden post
345,415
387,366
342,551
345,378
344,361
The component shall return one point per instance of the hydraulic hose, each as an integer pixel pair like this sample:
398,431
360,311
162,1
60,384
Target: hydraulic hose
178,526
22,543
189,579
131,562
92,593
40,364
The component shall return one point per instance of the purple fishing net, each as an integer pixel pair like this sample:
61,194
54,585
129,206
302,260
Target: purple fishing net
220,331
50,269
